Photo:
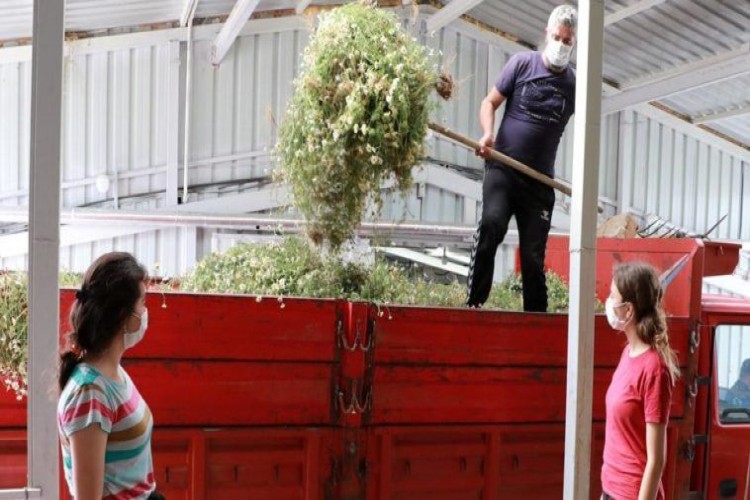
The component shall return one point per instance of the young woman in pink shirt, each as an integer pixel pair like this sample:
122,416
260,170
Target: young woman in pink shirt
639,396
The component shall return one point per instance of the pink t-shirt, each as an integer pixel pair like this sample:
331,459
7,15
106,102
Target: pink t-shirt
640,393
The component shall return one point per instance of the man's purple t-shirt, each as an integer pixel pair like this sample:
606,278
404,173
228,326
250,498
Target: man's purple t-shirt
539,103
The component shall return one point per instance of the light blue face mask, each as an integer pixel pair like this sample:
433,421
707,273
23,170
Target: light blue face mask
615,322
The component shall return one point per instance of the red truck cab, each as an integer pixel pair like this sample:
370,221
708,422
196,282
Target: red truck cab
722,419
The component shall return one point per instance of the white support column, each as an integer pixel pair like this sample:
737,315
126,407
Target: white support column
173,126
241,12
583,250
44,242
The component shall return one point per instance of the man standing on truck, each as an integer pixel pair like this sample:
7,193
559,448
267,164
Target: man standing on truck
739,394
539,91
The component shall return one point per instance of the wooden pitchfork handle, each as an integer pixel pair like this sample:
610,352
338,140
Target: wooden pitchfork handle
507,160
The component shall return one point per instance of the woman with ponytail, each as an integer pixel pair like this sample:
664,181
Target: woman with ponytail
640,394
105,426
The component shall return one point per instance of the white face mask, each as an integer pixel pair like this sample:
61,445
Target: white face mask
132,338
558,54
615,322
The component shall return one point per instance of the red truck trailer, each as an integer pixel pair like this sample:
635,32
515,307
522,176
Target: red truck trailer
316,399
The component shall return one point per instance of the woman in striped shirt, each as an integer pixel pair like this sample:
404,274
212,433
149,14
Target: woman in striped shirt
105,426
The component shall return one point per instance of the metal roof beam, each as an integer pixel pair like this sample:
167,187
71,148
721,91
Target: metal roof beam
188,12
425,260
450,13
689,76
729,113
269,197
301,6
629,11
13,245
240,14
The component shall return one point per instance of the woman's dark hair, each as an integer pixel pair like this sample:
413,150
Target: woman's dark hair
108,295
639,284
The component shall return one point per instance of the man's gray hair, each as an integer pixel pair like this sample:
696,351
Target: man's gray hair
565,15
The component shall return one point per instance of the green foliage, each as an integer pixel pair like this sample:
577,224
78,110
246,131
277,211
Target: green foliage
13,328
70,280
509,294
292,267
358,117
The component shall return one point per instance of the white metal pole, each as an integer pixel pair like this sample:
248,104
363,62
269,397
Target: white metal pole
44,242
583,250
188,103
172,188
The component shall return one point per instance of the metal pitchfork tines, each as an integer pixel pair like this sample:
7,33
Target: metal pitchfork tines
658,227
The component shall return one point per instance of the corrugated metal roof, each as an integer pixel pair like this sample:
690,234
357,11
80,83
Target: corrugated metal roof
722,96
90,15
737,127
664,37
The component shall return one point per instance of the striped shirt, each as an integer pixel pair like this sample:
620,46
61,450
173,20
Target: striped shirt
91,398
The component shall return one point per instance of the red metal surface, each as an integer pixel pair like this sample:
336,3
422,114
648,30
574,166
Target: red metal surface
488,462
330,399
202,464
506,368
12,456
727,454
720,257
227,380
506,375
12,411
683,294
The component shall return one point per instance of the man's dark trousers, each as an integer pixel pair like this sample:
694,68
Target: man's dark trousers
505,193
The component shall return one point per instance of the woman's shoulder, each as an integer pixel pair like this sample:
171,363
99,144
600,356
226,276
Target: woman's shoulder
82,375
654,369
84,379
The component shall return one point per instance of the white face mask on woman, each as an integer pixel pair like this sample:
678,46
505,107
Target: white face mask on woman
132,338
615,322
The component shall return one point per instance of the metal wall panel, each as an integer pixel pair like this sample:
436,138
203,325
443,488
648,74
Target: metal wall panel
162,252
682,179
237,105
114,124
15,129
